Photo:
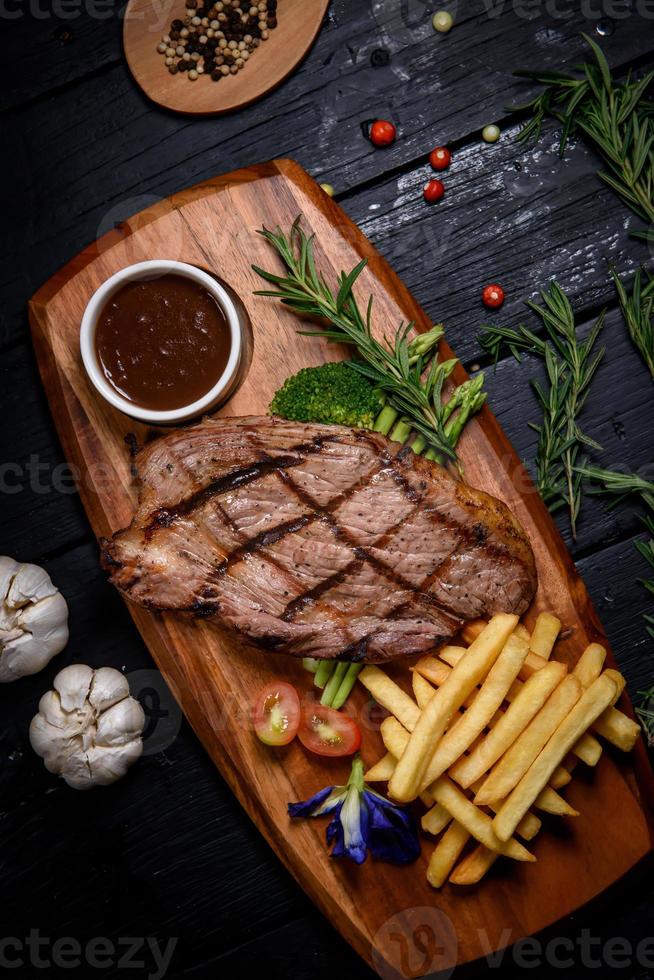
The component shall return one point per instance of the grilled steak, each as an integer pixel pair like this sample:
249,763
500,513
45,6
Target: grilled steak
316,540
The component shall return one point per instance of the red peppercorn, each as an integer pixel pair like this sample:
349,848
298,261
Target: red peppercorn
492,296
382,133
434,191
440,158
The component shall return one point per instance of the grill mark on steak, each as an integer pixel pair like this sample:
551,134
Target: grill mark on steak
240,477
478,525
362,554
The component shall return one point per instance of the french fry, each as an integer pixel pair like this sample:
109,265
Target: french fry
406,781
620,681
522,632
471,630
391,696
382,770
618,729
549,801
438,674
452,799
474,866
435,820
446,854
560,777
590,664
525,750
587,710
423,691
544,635
460,736
530,699
589,749
478,823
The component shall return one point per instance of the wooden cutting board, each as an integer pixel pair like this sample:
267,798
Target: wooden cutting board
390,915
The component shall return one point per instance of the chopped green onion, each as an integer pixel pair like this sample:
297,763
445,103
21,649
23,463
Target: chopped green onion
347,684
323,673
334,684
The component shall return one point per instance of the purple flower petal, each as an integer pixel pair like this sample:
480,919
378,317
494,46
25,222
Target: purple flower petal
392,836
322,802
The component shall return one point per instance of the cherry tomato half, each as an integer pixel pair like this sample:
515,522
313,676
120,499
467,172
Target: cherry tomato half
382,133
328,732
276,713
440,158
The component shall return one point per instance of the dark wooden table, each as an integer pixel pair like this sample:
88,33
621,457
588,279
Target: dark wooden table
167,853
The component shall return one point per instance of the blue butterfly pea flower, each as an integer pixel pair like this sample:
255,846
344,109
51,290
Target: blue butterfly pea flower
362,821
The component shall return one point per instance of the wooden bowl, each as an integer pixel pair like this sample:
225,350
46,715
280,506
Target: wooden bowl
146,21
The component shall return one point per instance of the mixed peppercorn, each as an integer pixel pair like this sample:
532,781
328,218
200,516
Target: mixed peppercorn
217,38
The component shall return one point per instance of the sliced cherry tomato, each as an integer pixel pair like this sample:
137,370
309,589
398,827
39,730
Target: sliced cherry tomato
328,732
276,713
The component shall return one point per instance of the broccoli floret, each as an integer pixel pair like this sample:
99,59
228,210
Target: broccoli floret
333,394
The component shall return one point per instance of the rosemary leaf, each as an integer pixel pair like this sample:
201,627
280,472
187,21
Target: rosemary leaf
638,312
616,118
395,366
570,365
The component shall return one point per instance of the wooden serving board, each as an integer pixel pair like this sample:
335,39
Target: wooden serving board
146,21
390,915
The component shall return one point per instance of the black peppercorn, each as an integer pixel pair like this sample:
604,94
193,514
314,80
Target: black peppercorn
177,25
272,22
173,69
216,75
183,65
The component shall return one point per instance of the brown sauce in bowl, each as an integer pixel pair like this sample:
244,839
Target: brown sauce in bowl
162,343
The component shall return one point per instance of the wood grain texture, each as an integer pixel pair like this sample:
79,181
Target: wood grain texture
213,675
298,26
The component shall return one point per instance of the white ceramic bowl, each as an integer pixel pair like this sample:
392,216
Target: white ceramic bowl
150,270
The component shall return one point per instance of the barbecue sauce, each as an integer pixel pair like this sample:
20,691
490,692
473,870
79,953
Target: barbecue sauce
162,343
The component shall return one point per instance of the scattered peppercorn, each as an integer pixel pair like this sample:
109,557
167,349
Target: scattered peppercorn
382,133
490,134
442,21
492,296
440,158
434,191
217,37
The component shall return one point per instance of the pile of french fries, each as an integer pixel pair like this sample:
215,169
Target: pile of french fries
492,733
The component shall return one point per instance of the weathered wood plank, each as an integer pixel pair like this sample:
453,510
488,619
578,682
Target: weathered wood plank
105,152
512,214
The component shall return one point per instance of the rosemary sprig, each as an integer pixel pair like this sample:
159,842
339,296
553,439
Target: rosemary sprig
638,312
398,366
645,714
616,117
624,484
570,364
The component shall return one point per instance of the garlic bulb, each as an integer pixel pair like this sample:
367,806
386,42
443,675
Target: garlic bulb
33,620
88,729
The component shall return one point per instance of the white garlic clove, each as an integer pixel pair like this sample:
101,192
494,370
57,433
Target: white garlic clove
53,744
73,684
111,763
120,724
109,686
31,584
76,771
